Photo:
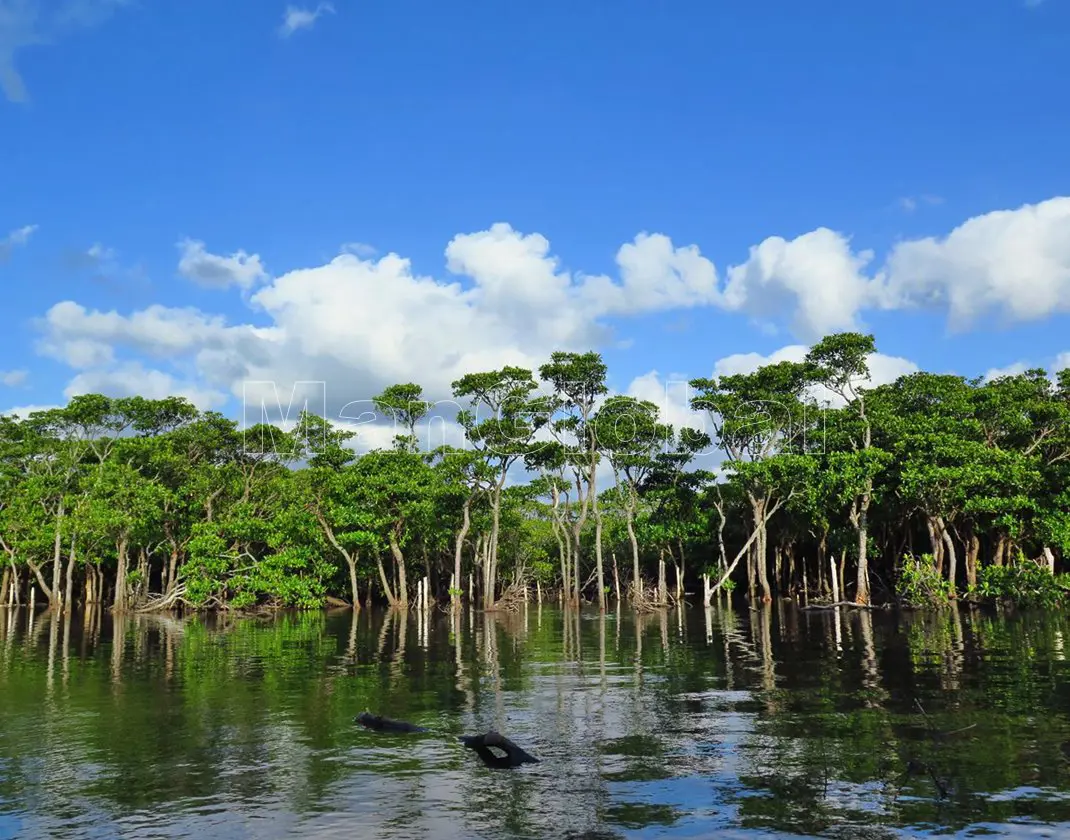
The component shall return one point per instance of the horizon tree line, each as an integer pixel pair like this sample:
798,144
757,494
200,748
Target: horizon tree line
142,504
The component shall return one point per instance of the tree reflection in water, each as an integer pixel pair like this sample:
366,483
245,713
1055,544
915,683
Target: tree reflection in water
703,722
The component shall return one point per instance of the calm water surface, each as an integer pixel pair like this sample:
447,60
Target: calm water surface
697,723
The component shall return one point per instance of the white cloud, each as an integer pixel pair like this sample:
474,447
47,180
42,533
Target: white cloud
1060,362
24,411
815,276
218,272
655,277
672,395
132,379
296,17
360,323
26,23
883,369
1012,262
13,378
16,238
1009,370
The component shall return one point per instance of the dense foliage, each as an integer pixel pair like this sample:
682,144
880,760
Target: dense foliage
828,489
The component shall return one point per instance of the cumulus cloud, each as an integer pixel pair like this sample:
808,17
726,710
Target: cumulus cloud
297,17
19,236
1011,263
1016,262
361,322
24,411
26,23
218,272
1060,362
1012,369
816,277
133,379
13,378
883,369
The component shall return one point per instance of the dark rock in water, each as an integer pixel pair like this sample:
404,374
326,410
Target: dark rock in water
497,751
385,724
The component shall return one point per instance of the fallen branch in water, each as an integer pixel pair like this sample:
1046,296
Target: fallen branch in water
849,604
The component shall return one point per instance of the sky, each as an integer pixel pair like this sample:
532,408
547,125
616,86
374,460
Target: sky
196,196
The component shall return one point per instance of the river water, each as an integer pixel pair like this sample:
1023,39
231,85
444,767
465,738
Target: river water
720,723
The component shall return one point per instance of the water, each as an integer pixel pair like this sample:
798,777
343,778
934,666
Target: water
718,723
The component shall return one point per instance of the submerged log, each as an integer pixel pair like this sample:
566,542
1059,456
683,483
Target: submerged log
488,747
385,724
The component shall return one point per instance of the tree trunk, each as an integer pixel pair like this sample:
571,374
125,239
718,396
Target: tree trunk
458,551
55,595
172,568
822,549
1049,556
399,560
120,601
952,558
597,514
758,508
598,559
351,561
637,580
972,553
40,579
862,590
663,594
616,577
492,554
683,567
69,595
999,551
6,588
936,539
387,591
834,579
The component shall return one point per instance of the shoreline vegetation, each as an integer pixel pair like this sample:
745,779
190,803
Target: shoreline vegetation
830,491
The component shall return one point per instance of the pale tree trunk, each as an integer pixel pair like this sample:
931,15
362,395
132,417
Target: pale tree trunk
629,523
55,594
354,588
862,519
758,508
458,550
391,599
172,568
683,567
492,554
952,558
119,602
662,588
399,560
597,514
616,577
1049,557
69,596
862,592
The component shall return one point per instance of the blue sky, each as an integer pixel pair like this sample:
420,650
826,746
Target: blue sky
932,135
